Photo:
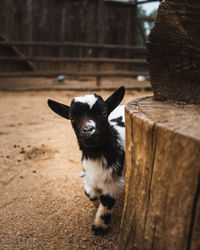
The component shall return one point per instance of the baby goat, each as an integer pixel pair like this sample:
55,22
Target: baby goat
100,130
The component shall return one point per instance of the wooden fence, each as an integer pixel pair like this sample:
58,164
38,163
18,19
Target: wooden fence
74,37
85,21
87,59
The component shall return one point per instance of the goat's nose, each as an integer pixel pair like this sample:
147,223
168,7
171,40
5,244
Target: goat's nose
88,128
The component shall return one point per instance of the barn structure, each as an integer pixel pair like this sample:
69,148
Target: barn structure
76,38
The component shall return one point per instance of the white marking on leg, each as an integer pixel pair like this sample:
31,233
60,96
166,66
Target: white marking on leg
99,222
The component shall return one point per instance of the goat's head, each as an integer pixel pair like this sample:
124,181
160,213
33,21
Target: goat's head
89,116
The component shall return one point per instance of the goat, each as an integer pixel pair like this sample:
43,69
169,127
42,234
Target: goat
100,130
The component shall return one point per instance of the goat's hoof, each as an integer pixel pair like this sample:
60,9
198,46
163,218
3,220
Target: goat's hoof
99,230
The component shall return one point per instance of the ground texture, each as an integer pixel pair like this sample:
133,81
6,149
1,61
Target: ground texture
42,203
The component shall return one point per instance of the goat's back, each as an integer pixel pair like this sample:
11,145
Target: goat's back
117,120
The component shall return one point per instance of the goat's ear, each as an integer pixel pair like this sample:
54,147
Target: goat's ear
114,100
59,108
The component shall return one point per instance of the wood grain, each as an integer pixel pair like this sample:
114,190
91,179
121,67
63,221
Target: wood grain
174,51
162,195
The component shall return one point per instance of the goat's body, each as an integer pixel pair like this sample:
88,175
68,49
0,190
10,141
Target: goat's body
117,120
100,130
101,173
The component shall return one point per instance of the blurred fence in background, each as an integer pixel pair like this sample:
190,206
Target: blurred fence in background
74,37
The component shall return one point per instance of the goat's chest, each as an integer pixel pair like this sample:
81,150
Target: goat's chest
95,173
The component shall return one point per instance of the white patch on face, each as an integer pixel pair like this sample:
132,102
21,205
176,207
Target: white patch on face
88,99
91,124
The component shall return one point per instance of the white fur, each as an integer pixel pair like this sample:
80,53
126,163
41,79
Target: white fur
88,99
96,177
91,124
119,111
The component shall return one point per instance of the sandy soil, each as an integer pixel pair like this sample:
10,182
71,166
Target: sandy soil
42,203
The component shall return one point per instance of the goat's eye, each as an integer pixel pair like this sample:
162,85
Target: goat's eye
104,114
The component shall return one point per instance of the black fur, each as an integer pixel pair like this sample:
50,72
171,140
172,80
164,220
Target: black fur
119,121
114,100
80,112
105,141
110,150
106,218
107,201
59,108
86,194
93,199
99,230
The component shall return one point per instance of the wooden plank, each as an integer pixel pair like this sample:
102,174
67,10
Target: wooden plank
142,32
24,20
75,44
30,24
32,83
130,3
17,52
100,22
73,59
147,1
70,73
121,3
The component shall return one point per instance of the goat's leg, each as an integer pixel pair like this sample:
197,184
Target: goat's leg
92,194
93,198
103,215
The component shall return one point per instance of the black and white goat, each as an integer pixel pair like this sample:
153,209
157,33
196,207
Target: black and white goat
100,129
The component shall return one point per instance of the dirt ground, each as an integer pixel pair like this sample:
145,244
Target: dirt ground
42,203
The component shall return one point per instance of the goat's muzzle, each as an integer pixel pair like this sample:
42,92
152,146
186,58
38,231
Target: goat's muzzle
88,134
88,128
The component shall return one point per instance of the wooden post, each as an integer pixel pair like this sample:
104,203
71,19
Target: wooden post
30,25
100,35
174,51
162,196
100,22
63,28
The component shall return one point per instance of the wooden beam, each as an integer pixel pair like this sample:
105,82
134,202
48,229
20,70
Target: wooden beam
75,44
16,51
74,59
148,1
77,74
